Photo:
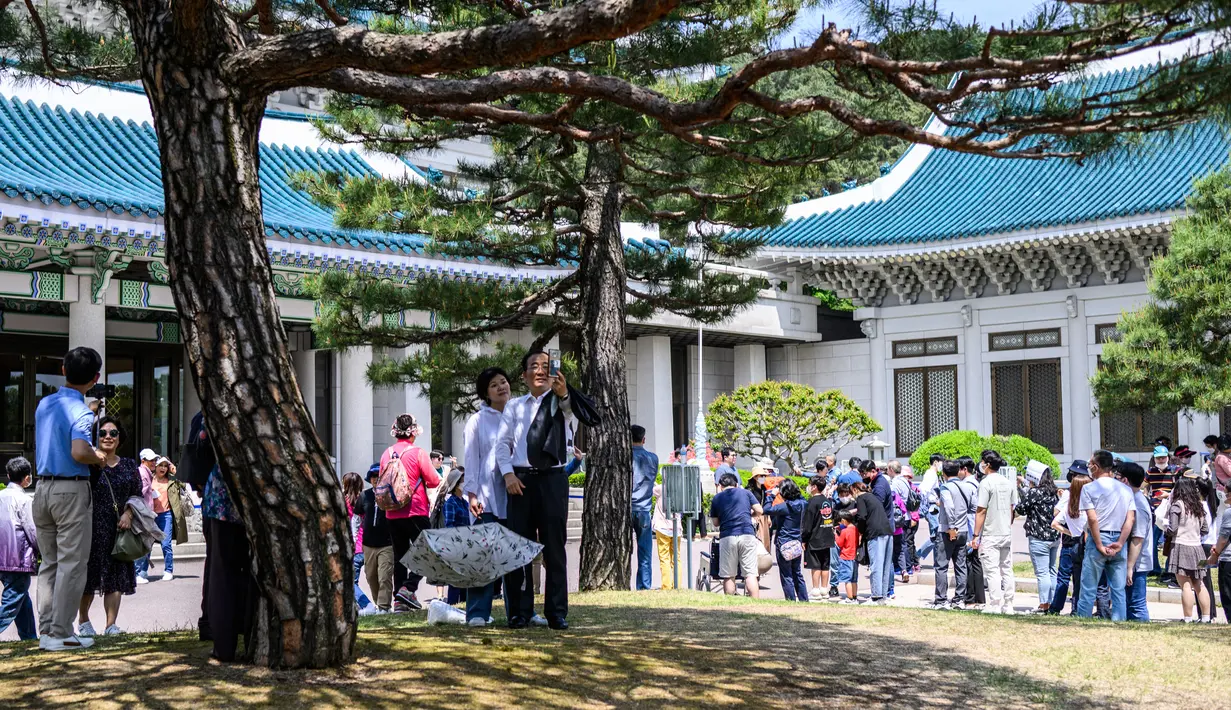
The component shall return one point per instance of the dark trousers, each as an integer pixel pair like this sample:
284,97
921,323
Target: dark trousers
1224,588
1070,569
230,587
404,532
540,513
976,588
945,551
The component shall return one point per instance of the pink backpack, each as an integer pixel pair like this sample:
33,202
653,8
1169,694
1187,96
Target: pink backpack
393,489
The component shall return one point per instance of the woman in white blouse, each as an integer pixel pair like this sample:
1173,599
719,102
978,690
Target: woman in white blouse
484,486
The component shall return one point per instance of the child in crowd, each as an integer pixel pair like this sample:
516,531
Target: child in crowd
848,541
20,548
454,513
377,546
818,537
352,491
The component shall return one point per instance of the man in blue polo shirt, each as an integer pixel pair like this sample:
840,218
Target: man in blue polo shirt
63,517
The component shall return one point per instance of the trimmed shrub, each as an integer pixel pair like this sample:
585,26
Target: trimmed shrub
577,480
1016,450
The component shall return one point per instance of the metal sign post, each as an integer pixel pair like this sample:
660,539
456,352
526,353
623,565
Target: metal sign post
681,497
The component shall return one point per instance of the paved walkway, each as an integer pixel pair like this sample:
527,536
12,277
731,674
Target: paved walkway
176,604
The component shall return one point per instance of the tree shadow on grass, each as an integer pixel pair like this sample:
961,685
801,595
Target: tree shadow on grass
616,656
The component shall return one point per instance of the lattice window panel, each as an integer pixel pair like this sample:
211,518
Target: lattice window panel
1043,384
911,410
1021,340
1026,400
942,400
169,332
1121,430
919,348
942,346
1107,333
926,405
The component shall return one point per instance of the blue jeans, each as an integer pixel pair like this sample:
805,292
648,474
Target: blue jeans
479,599
645,549
880,565
791,574
1138,610
1157,568
933,527
360,598
167,525
1043,555
142,566
1063,575
1093,568
835,557
15,604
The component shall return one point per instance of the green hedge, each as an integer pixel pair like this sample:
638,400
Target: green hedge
1016,450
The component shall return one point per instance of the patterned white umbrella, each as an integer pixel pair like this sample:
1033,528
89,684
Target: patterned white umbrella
469,557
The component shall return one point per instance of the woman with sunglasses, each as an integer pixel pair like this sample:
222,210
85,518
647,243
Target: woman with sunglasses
118,481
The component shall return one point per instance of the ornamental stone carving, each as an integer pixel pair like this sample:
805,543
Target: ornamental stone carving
903,282
969,275
1036,266
1110,258
936,279
1001,271
1073,263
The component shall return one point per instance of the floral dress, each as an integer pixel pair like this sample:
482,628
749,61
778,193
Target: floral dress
103,574
1039,509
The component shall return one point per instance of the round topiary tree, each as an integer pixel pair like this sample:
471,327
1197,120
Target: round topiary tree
1016,450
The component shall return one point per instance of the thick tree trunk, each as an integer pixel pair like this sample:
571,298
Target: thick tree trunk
275,465
606,541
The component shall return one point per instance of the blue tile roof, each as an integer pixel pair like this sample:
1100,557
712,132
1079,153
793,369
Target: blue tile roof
955,195
109,165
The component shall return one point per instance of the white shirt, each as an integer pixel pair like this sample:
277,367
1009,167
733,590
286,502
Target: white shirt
515,424
1077,525
1110,500
997,497
929,483
1143,527
483,478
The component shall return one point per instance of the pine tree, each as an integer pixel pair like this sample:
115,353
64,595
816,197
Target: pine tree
1184,331
207,67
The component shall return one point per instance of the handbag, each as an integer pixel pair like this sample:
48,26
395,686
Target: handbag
791,550
861,552
128,546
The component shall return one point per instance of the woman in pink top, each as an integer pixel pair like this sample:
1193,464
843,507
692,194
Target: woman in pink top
406,523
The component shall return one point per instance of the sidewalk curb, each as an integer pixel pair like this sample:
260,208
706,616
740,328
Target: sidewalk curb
1029,584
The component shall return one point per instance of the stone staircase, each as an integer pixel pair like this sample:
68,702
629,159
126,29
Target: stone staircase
576,501
194,549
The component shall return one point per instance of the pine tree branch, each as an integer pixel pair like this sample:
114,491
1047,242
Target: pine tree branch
300,58
331,13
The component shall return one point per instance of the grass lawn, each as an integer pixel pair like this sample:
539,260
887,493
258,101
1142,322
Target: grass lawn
659,648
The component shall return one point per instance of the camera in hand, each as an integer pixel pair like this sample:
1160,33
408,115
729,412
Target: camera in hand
101,391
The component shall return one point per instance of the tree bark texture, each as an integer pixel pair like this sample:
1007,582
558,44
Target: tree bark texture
276,467
606,541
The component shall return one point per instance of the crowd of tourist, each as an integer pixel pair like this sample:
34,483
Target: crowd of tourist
1094,537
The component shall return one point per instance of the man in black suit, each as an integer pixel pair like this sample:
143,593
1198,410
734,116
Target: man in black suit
531,451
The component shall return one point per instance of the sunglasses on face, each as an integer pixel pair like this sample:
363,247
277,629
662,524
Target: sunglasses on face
109,433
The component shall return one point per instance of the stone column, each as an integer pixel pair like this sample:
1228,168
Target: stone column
305,375
749,364
415,402
355,412
973,389
87,320
882,398
654,378
1080,423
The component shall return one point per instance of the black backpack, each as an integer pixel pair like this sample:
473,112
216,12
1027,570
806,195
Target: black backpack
913,500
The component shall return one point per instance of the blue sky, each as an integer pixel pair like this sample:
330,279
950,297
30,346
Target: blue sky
845,13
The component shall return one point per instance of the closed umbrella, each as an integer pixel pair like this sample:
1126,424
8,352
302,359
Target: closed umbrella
472,556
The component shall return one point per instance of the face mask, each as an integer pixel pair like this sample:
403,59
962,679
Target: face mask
846,499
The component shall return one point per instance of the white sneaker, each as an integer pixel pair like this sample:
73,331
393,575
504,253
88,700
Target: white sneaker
538,620
85,630
142,580
848,600
167,576
72,643
113,630
369,610
476,621
990,610
1008,611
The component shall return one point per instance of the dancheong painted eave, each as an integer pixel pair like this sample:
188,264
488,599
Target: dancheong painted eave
953,197
101,164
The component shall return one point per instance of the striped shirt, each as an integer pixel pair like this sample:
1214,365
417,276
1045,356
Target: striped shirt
1161,481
